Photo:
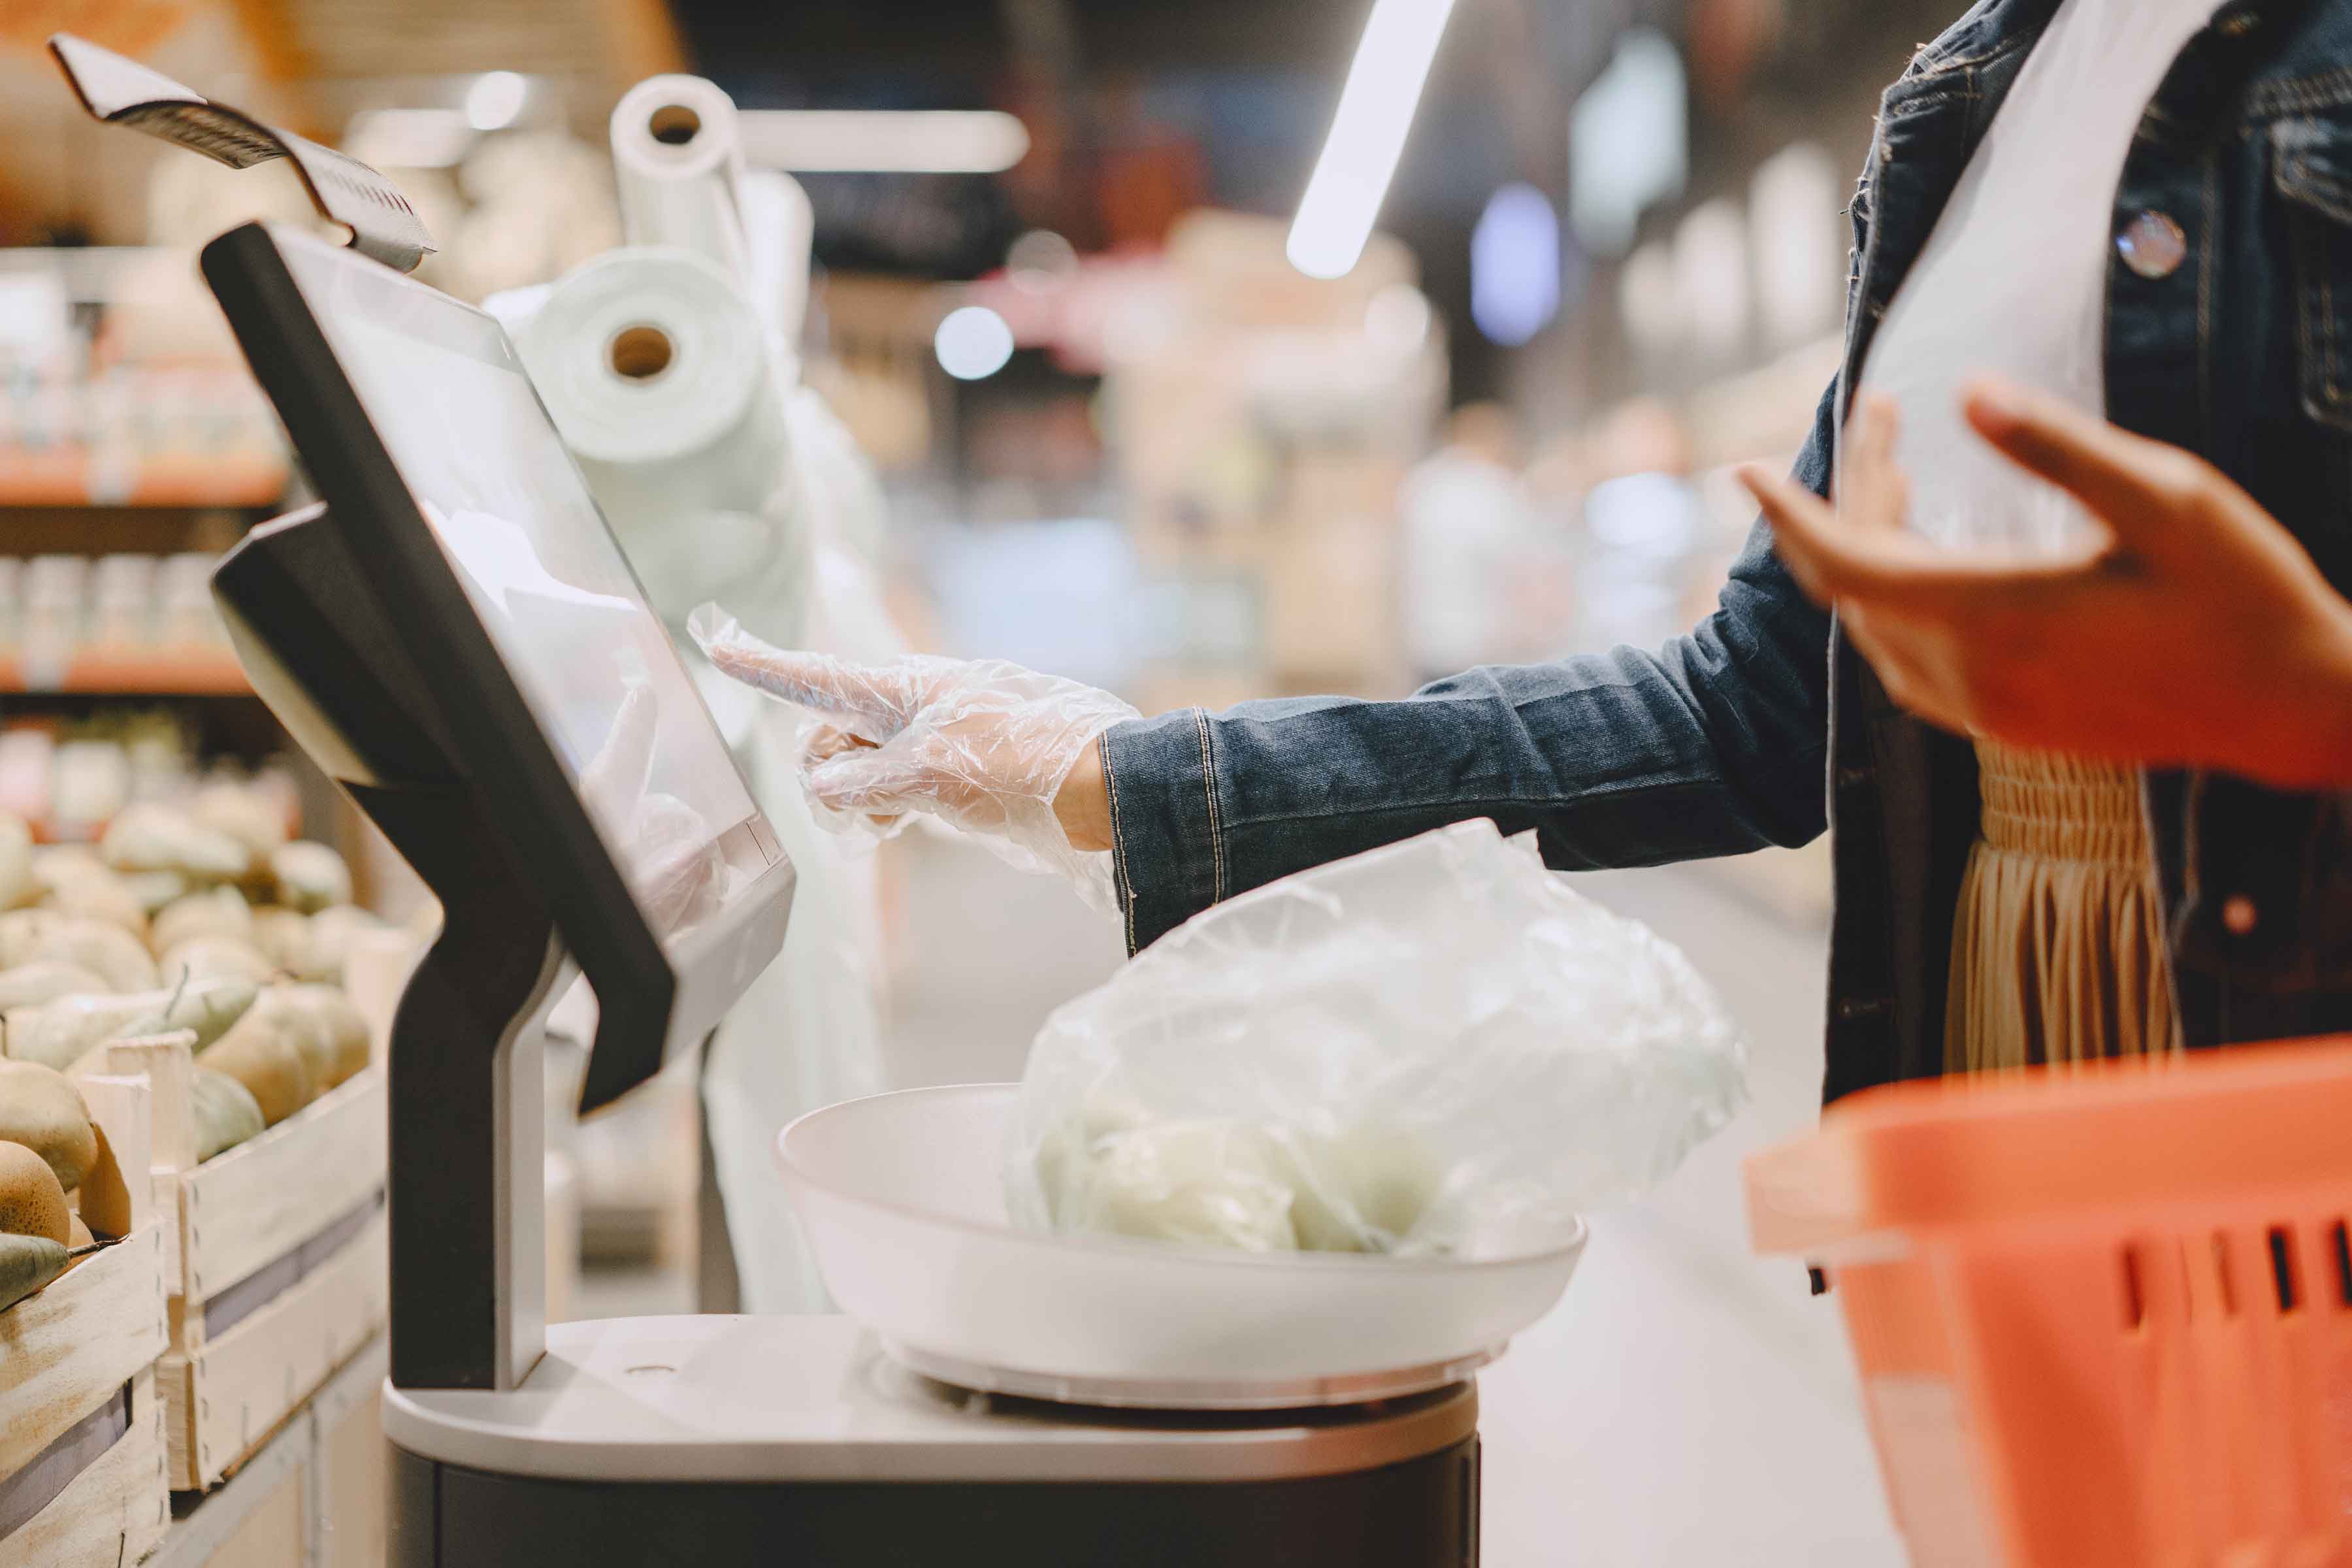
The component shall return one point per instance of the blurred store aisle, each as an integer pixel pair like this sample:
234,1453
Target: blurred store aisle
1686,1406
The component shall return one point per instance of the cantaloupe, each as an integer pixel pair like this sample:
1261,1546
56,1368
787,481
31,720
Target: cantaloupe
227,1114
46,980
268,1051
153,837
40,1109
309,877
214,958
111,953
31,1202
58,1032
217,911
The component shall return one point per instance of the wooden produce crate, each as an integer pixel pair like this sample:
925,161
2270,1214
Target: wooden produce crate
81,1427
280,1274
313,1496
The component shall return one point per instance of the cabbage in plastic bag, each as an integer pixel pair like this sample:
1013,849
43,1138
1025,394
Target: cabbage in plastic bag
1433,1048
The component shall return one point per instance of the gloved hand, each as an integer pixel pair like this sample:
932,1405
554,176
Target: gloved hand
986,746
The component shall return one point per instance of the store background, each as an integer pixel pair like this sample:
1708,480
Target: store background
1122,438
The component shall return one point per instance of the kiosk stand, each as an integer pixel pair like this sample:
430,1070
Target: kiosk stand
454,637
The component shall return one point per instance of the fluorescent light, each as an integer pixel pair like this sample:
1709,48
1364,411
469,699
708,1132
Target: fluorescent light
860,140
1351,179
973,343
494,99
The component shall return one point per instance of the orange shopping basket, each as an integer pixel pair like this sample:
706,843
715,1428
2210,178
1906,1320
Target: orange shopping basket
2103,1315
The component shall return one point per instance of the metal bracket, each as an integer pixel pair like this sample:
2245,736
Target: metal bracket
124,92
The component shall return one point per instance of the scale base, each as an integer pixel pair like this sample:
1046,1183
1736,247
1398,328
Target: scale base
731,1440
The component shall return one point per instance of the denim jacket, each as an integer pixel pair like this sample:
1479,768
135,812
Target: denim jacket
1762,726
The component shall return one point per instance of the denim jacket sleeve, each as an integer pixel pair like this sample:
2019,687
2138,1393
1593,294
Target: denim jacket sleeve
1713,745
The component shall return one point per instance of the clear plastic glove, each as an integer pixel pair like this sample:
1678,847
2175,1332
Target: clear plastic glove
985,746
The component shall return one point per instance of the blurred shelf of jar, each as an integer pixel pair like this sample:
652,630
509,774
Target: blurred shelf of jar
1263,423
121,622
120,388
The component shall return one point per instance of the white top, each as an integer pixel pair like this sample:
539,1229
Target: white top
2014,279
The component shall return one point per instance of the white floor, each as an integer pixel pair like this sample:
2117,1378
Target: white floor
1687,1404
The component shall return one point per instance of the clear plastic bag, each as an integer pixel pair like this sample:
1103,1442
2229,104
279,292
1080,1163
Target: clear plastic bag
1433,1048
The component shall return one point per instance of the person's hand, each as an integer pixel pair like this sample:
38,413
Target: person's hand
990,747
2199,635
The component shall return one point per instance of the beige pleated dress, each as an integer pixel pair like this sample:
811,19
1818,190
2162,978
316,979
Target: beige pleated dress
2058,942
2058,953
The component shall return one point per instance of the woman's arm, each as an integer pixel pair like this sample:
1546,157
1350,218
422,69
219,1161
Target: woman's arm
1713,745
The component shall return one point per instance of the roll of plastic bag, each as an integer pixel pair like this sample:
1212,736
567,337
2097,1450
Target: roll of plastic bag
655,373
1434,1048
677,161
650,362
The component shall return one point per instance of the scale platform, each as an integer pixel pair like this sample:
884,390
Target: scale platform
644,1440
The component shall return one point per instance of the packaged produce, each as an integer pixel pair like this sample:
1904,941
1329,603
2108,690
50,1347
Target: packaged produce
58,1032
45,980
215,911
27,1263
227,1114
31,1201
41,1110
309,877
149,836
1433,1048
108,951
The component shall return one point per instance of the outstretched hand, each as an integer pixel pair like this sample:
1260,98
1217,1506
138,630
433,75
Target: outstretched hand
2198,634
990,747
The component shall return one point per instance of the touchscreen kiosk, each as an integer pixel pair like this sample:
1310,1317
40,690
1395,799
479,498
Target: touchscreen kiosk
455,634
570,712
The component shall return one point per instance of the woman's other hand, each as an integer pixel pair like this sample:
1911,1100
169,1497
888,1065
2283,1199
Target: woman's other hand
2199,635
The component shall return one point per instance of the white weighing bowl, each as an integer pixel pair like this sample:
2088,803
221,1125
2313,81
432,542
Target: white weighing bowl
902,1197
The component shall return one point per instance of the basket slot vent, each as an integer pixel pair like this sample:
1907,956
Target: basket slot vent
2285,1286
2223,1281
2135,1294
2342,1249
